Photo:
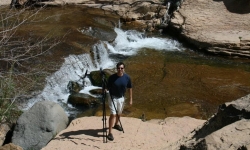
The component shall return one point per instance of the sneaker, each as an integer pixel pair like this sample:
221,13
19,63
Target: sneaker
110,137
117,127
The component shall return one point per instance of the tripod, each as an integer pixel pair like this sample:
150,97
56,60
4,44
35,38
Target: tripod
104,85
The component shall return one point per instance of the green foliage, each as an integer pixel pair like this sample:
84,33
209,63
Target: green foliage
8,111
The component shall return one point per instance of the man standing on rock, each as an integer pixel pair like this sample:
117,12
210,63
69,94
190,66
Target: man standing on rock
117,85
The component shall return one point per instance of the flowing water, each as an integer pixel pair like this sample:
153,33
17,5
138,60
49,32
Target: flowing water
169,79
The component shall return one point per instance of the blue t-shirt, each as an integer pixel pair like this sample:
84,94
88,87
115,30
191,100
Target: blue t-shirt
117,84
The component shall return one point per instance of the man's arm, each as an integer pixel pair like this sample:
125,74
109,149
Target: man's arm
130,96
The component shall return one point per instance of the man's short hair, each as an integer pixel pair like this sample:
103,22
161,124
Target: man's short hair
119,64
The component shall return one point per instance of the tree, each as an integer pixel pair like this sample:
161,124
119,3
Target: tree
17,77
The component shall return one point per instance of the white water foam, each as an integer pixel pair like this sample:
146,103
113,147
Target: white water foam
129,42
74,67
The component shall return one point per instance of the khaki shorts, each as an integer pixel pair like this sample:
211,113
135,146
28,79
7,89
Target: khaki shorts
119,104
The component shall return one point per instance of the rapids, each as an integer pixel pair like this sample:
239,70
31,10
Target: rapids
127,43
169,78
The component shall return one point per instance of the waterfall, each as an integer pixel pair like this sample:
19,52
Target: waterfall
74,67
101,56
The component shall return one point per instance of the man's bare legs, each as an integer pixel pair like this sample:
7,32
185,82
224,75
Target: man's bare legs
113,119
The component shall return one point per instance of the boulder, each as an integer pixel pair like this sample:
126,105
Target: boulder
96,92
4,129
225,137
219,132
105,35
81,99
11,146
73,87
37,126
96,76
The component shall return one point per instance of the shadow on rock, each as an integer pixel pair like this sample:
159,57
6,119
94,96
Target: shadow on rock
90,132
237,6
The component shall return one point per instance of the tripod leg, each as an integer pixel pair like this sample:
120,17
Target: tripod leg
104,83
104,120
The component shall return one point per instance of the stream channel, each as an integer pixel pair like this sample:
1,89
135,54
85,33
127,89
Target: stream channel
169,78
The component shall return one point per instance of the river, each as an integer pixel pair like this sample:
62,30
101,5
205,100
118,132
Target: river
169,78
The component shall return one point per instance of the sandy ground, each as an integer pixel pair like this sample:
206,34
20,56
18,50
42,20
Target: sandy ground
87,133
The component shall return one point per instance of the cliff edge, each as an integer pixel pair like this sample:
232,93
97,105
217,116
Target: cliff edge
216,26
